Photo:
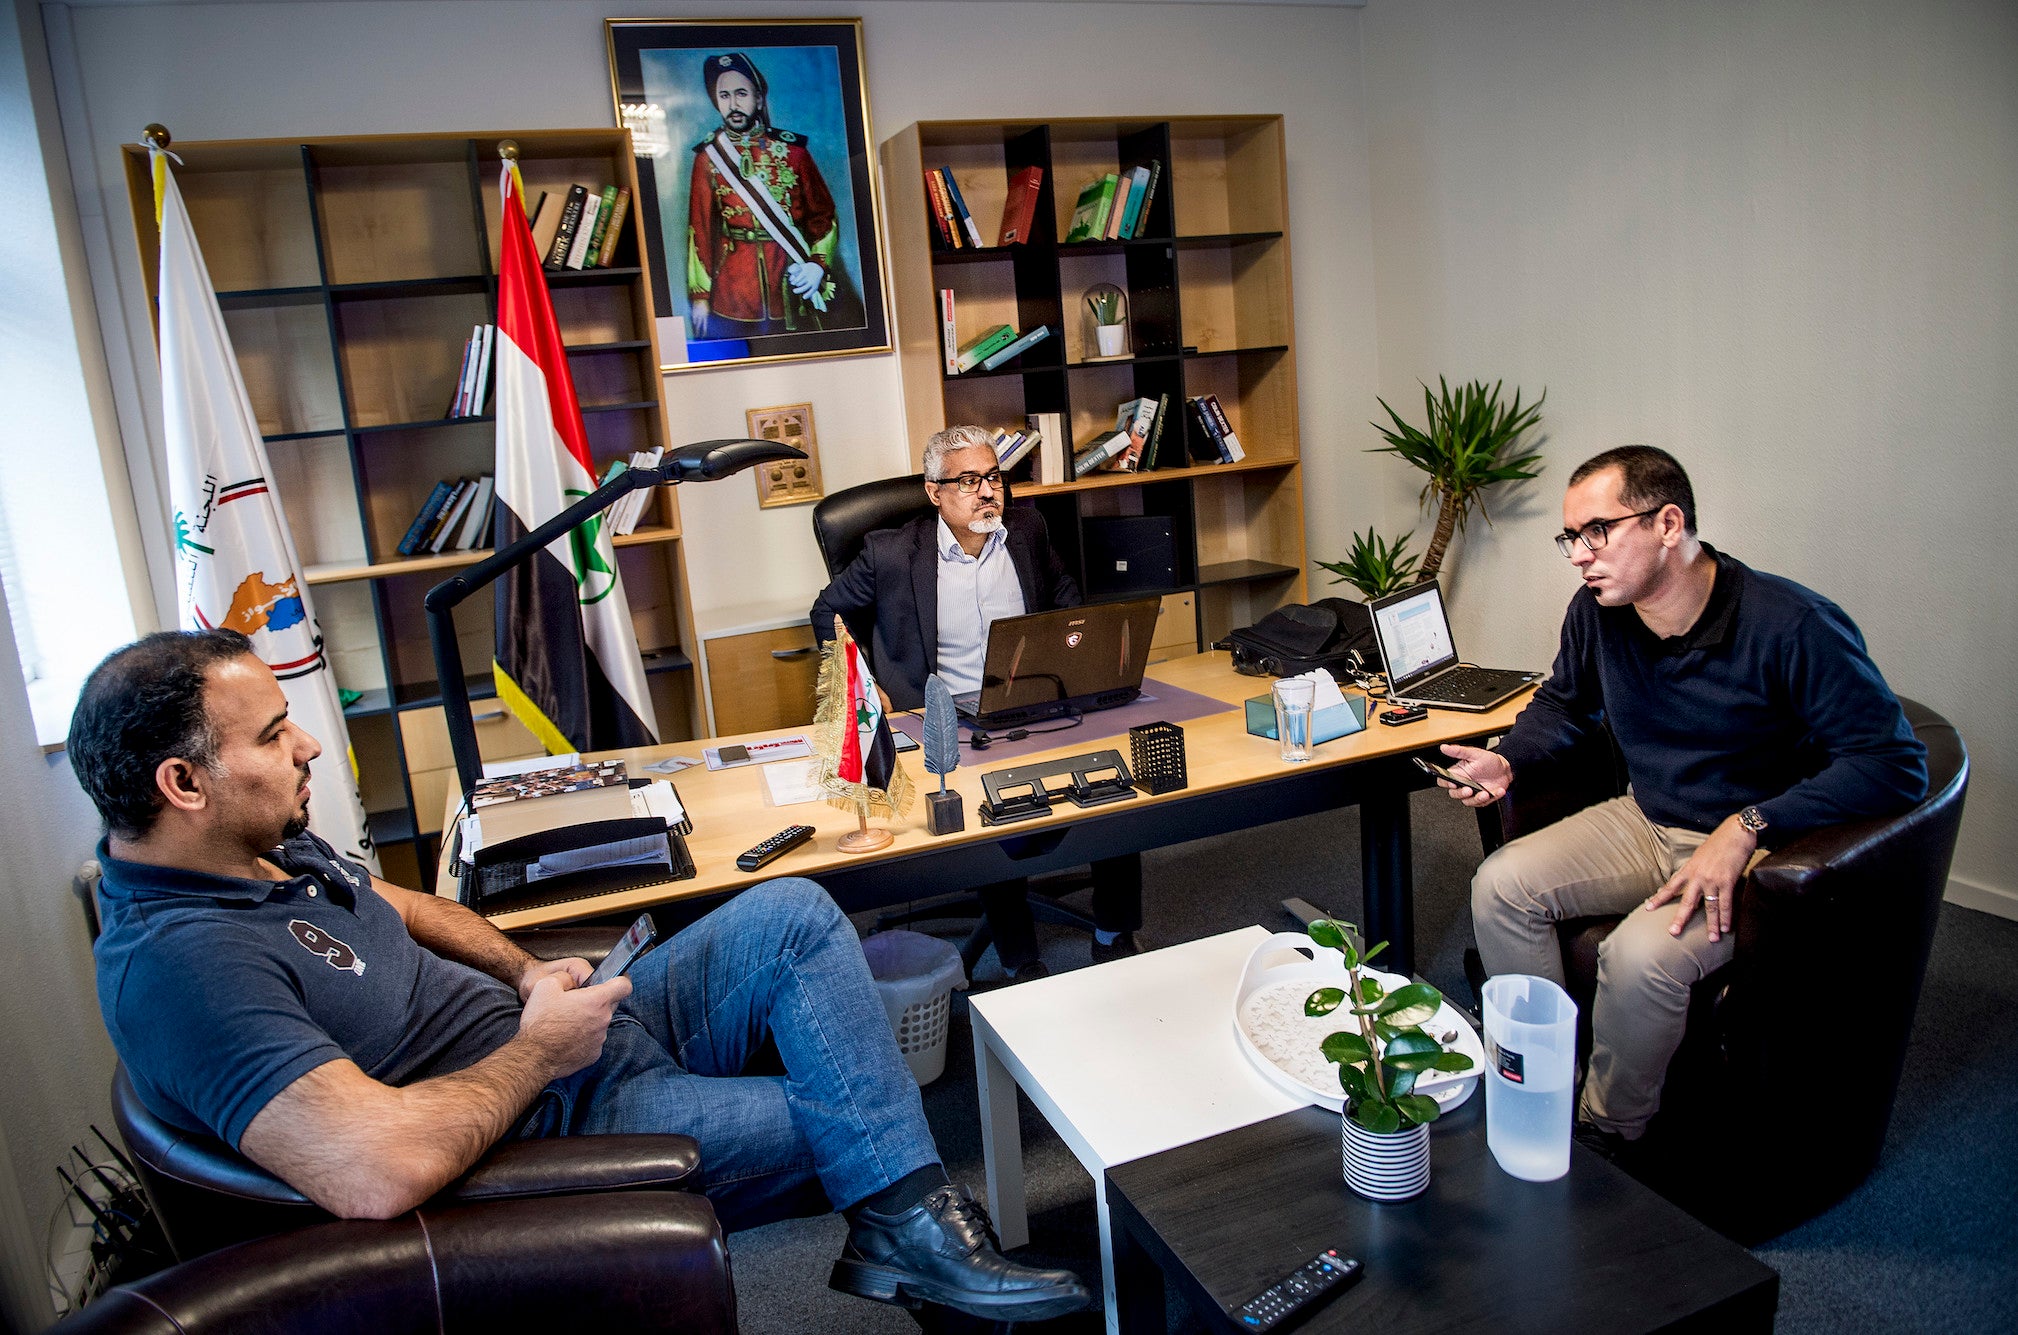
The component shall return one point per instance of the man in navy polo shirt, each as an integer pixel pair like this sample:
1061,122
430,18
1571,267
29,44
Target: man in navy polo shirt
1747,712
368,1044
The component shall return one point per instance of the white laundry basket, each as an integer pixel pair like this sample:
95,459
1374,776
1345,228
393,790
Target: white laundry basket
916,975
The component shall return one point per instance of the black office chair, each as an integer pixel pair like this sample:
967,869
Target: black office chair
842,524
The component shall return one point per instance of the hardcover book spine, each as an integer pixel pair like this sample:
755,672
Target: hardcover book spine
1205,442
1229,443
949,333
564,235
1149,195
942,210
1156,432
960,208
607,207
585,227
1020,209
424,521
614,236
1018,348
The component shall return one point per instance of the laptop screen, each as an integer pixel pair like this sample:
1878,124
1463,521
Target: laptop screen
1414,634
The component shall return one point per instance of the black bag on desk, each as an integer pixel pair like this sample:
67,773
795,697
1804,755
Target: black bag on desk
1332,633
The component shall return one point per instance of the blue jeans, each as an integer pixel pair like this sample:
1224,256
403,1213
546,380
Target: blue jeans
780,963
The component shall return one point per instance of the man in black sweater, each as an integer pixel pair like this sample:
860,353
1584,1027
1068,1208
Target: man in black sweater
1747,712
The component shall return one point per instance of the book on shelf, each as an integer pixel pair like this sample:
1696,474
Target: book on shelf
1148,196
1117,207
949,332
585,228
564,231
960,208
1134,417
1131,213
619,210
1019,210
1205,445
1017,348
1086,211
1104,448
606,206
478,520
423,522
1013,447
452,516
455,400
980,348
942,210
547,799
1156,426
546,220
1222,427
626,514
1053,446
1105,212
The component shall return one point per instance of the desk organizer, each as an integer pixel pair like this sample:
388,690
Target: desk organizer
1019,792
1326,725
1158,752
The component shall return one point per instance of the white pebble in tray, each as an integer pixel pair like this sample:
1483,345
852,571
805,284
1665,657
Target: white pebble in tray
1275,1023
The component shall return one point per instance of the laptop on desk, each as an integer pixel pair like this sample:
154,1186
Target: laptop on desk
1070,660
1420,656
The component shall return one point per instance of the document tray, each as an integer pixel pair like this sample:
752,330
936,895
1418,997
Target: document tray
497,882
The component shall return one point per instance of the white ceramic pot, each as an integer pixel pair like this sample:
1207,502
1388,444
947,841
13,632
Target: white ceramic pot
1113,339
1386,1167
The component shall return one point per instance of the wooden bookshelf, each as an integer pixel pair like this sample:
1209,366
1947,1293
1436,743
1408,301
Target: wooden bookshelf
1208,284
350,272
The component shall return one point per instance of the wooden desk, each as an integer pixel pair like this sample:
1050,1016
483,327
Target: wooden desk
1235,782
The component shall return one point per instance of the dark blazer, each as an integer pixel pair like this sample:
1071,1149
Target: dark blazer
889,597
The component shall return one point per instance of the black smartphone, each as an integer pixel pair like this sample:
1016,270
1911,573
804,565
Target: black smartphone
1394,718
1431,767
638,939
734,755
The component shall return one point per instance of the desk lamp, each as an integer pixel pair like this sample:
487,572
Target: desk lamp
703,461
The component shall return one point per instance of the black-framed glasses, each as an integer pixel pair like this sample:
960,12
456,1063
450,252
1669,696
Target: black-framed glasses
1593,534
969,483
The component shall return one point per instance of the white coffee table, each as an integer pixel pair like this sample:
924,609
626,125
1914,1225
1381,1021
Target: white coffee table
1123,1059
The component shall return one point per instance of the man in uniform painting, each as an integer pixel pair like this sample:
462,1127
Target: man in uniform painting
761,229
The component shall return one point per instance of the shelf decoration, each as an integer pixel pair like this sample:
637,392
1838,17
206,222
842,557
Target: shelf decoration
763,232
1107,322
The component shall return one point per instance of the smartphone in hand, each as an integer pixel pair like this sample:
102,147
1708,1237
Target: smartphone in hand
640,937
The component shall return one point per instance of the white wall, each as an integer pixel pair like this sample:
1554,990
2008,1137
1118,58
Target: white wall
1778,239
264,70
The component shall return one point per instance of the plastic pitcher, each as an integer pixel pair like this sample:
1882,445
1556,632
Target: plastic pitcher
1530,1078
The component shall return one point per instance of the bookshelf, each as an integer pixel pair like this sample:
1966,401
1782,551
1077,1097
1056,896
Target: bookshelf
1208,284
350,272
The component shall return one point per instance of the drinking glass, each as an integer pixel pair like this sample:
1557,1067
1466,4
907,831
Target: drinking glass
1293,701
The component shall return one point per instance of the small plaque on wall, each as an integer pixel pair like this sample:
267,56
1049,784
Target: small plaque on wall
793,481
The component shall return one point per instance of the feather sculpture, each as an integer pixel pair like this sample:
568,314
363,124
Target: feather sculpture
942,730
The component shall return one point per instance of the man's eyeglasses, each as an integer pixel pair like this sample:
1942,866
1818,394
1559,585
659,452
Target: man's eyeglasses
969,483
1593,534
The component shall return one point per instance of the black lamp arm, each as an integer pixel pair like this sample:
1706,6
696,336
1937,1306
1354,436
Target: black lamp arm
703,461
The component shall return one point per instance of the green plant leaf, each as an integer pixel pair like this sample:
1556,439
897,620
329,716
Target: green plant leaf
1377,1116
1453,1061
1399,1081
1411,1040
1375,951
1370,990
1410,1005
1326,932
1417,1109
1386,1031
1343,1047
1353,1081
1351,955
1323,1001
1408,1061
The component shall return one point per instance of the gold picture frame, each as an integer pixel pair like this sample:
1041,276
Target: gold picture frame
791,482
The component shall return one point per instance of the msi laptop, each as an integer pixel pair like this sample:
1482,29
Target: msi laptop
1072,660
1421,658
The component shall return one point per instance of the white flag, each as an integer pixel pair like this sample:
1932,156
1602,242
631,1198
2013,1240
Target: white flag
235,561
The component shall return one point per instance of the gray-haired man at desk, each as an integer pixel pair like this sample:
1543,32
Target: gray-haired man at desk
368,1044
926,594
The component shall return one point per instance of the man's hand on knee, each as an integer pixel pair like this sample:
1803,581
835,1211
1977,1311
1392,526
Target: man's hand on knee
1486,772
569,1022
1709,879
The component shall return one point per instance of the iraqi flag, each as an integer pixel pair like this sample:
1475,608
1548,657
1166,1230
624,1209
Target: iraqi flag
235,565
567,656
872,763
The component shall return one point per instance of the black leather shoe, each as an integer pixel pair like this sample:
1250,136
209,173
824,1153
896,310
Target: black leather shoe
1608,1145
1120,947
943,1250
1026,973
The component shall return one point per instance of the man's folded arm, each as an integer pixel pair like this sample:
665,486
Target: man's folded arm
456,933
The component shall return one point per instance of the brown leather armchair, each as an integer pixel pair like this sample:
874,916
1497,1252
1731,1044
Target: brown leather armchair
1755,1134
651,1261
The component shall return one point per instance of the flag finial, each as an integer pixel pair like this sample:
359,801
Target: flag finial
508,149
156,136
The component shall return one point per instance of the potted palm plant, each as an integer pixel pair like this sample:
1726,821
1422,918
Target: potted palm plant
1468,446
1374,566
1386,1123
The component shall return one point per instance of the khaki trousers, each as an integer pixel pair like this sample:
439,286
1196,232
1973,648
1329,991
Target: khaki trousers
1605,859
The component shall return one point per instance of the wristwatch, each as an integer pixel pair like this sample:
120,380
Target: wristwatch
1752,820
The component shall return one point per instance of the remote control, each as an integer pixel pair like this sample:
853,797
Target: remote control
1303,1288
783,841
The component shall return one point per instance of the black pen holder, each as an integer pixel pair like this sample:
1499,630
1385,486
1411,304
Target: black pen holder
944,813
1157,753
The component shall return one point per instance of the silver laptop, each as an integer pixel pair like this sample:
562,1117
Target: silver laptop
1420,656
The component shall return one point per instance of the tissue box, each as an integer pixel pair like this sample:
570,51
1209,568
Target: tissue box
1325,725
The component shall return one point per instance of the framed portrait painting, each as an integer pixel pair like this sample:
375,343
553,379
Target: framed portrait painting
757,185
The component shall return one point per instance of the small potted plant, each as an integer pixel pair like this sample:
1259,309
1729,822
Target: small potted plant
1386,1123
1374,566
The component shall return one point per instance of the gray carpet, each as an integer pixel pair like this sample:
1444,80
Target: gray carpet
1929,1243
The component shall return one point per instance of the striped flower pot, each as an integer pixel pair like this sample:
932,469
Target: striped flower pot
1391,1166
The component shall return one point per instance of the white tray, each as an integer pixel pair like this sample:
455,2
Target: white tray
1286,958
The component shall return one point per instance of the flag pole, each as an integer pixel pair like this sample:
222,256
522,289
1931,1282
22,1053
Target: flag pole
863,838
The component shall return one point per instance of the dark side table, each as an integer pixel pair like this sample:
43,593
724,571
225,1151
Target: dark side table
1222,1219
